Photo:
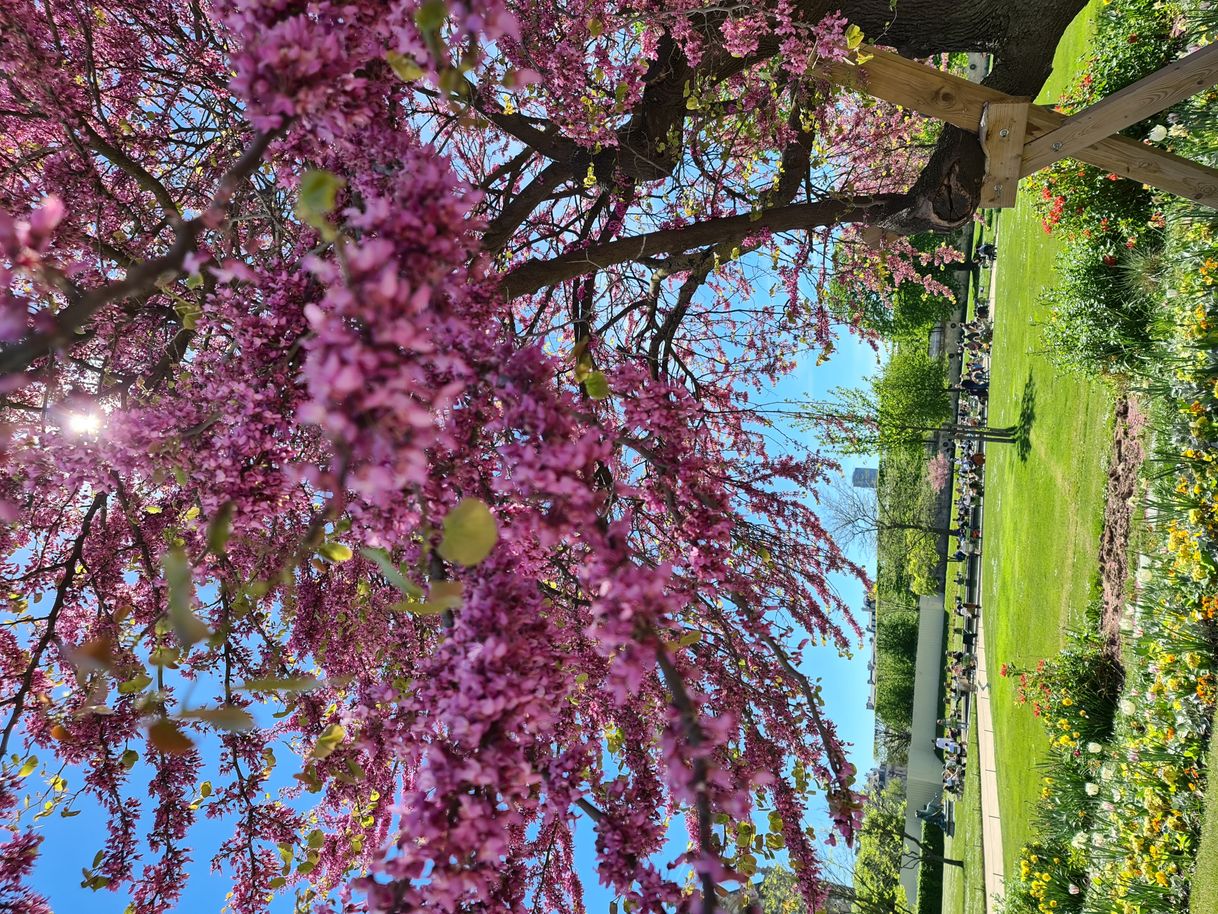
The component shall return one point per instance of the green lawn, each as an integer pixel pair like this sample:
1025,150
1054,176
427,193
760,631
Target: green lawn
1044,509
1204,899
1044,494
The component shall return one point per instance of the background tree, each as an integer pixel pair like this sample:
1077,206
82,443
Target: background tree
901,503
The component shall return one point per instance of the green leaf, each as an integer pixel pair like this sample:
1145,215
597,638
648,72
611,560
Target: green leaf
431,15
854,37
318,192
595,28
164,656
227,717
130,757
277,883
135,684
330,739
470,533
597,385
403,66
391,571
186,625
284,684
335,552
205,789
28,768
220,528
316,839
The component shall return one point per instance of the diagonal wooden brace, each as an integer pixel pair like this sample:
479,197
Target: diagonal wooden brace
1002,130
1161,89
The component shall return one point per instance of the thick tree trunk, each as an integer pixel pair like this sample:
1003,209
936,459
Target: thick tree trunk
1022,37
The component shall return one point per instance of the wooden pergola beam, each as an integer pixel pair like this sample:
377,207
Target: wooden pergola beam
957,101
1136,102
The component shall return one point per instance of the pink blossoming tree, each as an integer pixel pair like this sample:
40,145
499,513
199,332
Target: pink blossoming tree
387,366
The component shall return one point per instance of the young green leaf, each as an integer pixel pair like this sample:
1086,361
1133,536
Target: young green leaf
597,385
227,717
403,66
391,571
318,192
136,683
330,739
281,684
167,737
470,532
186,625
335,552
220,528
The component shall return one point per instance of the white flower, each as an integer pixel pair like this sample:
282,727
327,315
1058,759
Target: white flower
1127,706
1092,789
1074,890
1106,772
1094,747
1158,134
1079,841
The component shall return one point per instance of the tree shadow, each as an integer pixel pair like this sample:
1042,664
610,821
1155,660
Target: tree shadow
1022,437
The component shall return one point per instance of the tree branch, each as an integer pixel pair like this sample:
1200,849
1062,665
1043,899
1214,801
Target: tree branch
533,275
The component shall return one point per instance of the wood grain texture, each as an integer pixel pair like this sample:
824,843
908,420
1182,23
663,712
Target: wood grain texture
1003,127
1136,102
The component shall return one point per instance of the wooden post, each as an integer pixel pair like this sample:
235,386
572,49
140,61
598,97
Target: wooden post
1134,103
1003,125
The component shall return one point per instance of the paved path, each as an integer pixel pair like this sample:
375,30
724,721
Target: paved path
991,823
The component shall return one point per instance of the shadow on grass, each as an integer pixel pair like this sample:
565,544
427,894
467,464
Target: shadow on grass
1022,436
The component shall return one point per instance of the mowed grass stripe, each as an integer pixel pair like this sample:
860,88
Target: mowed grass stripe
1044,500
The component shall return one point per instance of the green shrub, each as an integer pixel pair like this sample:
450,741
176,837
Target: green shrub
1075,694
921,560
894,691
1102,314
930,873
897,633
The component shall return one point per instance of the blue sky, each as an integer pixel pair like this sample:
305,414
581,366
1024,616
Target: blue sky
72,843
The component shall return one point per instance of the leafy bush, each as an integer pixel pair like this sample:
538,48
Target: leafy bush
1075,694
930,873
921,559
897,633
894,691
1102,313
